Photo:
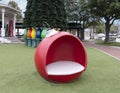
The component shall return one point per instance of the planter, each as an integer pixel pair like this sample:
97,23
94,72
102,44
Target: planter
34,43
26,41
37,41
29,42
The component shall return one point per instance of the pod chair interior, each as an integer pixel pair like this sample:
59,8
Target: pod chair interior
61,58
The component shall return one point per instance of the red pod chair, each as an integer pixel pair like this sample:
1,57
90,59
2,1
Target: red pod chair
60,58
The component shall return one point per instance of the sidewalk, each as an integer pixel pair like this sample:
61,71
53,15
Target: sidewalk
110,50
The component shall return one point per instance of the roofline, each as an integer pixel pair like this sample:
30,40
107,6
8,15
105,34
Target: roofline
6,6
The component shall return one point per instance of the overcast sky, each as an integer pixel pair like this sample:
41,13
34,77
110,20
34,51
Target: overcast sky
21,3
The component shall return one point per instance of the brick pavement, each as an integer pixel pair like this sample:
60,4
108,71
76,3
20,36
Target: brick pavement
110,50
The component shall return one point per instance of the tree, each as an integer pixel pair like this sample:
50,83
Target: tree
13,4
79,12
107,10
28,12
40,11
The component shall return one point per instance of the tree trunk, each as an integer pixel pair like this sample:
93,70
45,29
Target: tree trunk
78,35
18,31
107,30
83,30
82,34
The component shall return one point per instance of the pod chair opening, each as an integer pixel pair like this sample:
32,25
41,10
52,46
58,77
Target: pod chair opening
66,56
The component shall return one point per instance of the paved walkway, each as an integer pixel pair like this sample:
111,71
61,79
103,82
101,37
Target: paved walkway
110,50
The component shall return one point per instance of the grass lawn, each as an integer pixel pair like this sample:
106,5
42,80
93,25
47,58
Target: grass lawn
18,73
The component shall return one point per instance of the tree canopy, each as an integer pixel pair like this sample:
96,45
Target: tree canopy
40,11
27,19
79,12
107,10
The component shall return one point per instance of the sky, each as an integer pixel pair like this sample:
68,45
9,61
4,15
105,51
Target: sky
21,4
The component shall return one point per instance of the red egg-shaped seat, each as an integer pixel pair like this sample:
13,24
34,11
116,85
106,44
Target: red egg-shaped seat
60,58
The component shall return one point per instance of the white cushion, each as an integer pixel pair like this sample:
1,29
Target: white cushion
64,68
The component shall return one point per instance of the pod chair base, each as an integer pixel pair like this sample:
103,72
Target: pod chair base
64,68
63,78
64,71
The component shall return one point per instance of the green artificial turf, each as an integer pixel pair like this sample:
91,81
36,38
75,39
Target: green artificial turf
18,73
